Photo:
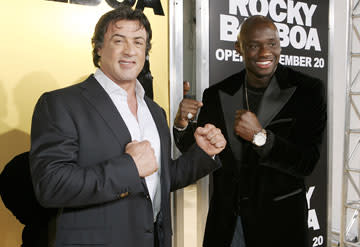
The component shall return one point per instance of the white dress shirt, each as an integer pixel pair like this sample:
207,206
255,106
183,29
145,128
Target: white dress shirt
143,128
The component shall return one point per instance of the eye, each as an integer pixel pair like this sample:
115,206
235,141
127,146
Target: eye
139,43
252,46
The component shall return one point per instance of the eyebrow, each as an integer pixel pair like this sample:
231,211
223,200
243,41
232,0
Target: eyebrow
123,36
257,41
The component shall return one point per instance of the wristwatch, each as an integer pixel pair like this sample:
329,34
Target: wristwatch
259,139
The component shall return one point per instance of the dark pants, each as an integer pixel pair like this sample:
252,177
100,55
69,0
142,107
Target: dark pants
156,235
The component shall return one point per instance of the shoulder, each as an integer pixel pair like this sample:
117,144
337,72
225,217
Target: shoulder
67,99
230,84
75,88
287,77
69,93
308,87
294,76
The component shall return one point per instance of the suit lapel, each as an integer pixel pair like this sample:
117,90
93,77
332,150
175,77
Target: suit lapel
273,101
162,128
230,103
103,104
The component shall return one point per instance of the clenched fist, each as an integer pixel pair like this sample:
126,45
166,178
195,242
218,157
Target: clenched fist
210,139
144,157
186,106
246,124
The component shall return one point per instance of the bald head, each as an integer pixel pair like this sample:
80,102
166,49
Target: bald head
251,24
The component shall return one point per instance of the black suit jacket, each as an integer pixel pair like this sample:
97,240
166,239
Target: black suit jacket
78,164
265,186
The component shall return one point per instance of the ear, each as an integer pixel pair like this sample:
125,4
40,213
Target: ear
238,47
99,51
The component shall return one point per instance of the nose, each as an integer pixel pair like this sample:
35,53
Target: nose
264,51
129,49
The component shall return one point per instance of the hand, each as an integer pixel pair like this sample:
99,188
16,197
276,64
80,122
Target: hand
246,124
186,106
210,139
143,156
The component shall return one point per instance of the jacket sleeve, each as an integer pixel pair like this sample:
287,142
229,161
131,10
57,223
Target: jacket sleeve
298,154
184,138
58,178
191,166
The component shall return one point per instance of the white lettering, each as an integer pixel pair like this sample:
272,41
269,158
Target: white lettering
295,32
283,34
229,27
297,13
309,12
309,194
228,55
236,56
264,7
313,40
312,217
291,60
238,4
294,13
313,220
219,54
272,10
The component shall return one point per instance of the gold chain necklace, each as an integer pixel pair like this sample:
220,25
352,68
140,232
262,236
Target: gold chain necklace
246,96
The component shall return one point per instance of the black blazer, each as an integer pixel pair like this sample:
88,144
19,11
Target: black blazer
78,164
266,187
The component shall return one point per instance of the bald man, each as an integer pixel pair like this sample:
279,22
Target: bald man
273,118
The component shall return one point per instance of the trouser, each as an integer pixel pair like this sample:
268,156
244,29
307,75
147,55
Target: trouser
156,236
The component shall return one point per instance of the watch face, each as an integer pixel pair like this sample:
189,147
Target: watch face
259,139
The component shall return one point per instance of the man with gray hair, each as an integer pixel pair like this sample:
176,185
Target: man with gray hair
101,150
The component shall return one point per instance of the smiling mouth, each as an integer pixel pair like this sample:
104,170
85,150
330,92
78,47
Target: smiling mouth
264,64
127,62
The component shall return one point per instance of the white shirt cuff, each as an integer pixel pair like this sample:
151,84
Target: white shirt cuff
181,129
